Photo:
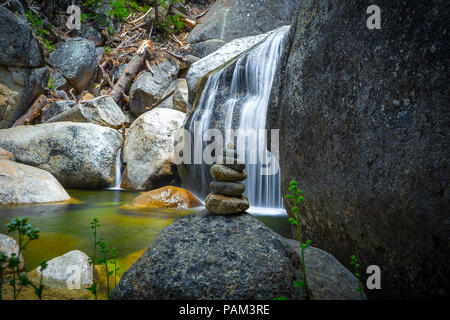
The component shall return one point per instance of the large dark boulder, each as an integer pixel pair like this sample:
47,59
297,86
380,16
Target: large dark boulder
225,20
365,117
18,45
76,60
213,257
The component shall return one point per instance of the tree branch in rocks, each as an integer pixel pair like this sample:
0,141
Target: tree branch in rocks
33,112
131,70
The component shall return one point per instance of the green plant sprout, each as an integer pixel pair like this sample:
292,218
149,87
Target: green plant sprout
296,194
357,274
3,260
104,260
26,233
94,225
104,250
114,255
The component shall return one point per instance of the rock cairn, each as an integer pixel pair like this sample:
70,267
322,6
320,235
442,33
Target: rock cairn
228,195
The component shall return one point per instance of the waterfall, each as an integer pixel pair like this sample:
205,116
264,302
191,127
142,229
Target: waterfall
118,171
237,97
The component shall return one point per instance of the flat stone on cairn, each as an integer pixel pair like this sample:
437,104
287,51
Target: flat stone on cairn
228,195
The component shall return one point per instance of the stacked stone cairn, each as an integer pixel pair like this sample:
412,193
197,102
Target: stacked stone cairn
228,190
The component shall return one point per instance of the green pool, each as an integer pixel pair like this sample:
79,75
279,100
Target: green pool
66,227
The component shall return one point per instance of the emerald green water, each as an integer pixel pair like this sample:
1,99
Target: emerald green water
66,227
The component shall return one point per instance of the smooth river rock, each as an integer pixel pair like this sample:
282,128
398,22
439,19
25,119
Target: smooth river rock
166,197
228,188
71,269
204,256
23,184
149,150
221,172
364,121
219,204
79,155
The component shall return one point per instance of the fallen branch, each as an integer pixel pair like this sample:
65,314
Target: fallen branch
33,112
142,17
130,71
157,103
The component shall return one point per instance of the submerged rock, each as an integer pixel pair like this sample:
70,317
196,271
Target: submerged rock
20,184
213,257
219,204
9,246
69,270
102,111
166,197
149,150
79,155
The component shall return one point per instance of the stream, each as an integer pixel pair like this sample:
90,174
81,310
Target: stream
66,227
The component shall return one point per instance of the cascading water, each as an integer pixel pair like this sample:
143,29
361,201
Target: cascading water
237,97
118,171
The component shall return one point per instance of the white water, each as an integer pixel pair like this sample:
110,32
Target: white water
118,171
246,97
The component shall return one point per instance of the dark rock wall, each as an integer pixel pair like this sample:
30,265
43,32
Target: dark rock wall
365,117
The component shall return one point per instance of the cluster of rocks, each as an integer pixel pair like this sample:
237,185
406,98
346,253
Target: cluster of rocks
228,195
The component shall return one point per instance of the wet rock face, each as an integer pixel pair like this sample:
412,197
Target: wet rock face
225,20
23,184
363,117
203,67
166,197
79,155
213,257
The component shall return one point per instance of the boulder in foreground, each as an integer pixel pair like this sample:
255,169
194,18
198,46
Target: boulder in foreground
204,256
